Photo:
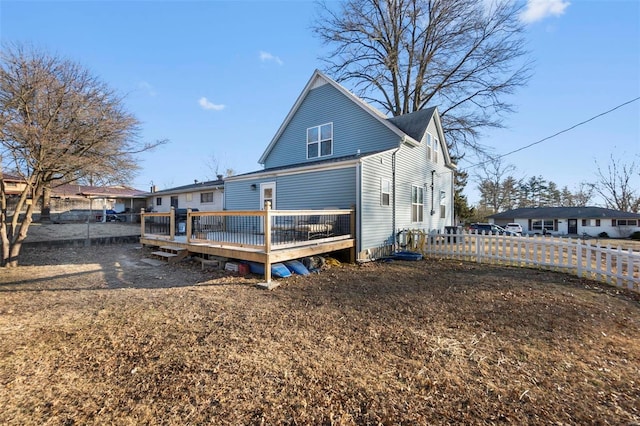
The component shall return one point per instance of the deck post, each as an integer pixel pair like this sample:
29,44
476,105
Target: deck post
188,225
352,231
142,222
172,224
266,217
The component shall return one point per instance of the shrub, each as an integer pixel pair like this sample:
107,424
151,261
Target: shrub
603,235
635,236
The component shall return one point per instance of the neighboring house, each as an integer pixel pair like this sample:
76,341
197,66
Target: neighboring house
571,221
13,185
119,198
204,196
67,197
333,150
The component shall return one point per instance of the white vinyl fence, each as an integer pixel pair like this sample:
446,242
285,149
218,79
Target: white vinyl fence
606,264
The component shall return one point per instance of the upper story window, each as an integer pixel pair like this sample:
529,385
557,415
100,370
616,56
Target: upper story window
433,147
206,197
436,148
158,201
320,141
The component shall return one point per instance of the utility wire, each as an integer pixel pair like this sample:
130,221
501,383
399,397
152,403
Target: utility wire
555,134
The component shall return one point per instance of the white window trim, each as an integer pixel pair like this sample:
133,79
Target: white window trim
421,211
384,181
429,145
436,149
320,140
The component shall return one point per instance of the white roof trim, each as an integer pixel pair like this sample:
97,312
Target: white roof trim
312,83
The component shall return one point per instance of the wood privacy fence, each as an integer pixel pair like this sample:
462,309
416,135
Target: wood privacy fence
581,258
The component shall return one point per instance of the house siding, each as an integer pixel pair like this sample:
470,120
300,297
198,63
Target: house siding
353,129
184,203
335,188
412,168
377,220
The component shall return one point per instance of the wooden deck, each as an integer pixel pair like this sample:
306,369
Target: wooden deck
267,237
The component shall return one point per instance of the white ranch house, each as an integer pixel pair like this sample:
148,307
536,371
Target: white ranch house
591,221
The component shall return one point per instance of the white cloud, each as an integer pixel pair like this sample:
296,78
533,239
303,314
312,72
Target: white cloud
143,85
537,10
206,104
266,56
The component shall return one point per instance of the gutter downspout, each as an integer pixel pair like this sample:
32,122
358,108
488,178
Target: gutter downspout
393,198
433,207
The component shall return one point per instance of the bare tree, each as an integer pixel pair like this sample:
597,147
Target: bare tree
616,185
212,163
493,177
58,124
579,198
462,55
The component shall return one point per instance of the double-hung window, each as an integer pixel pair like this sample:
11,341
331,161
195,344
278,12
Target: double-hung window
320,141
206,197
436,148
417,203
385,192
429,146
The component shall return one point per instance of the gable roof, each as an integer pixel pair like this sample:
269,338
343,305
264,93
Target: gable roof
194,187
414,124
320,78
589,212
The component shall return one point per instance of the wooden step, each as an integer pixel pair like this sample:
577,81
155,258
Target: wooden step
164,254
172,248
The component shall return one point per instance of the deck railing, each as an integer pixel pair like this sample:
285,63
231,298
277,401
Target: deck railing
161,225
262,230
611,265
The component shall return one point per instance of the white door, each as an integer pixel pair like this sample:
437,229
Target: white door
268,193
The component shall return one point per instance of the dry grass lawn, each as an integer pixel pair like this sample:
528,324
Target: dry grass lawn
95,336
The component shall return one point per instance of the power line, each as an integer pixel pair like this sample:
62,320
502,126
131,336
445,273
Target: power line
556,134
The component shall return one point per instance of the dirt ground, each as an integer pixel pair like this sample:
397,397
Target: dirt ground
97,336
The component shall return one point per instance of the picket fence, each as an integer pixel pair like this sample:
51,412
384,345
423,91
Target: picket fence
575,256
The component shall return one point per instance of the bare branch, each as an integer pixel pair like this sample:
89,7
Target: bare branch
59,124
464,56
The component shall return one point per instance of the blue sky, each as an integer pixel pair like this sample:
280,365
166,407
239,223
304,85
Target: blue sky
217,78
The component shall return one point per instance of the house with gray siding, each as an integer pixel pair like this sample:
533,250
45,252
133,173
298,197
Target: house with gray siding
333,150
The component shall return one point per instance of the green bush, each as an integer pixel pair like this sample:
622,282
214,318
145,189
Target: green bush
603,235
635,236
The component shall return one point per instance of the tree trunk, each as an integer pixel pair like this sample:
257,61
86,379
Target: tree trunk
45,212
12,243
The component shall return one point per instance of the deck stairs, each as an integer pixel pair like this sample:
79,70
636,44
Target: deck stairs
170,254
